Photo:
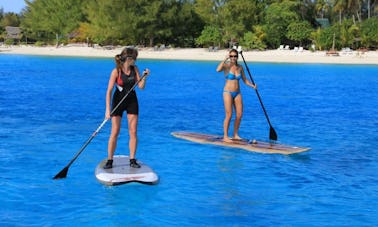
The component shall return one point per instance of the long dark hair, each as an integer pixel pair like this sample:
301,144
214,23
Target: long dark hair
121,58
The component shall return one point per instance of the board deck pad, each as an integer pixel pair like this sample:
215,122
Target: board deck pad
122,173
249,145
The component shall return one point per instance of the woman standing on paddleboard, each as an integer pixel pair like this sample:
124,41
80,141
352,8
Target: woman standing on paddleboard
233,72
124,77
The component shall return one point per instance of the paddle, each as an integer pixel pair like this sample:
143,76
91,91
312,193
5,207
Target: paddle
63,172
272,132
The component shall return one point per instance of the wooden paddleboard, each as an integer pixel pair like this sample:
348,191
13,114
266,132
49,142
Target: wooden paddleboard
249,145
122,173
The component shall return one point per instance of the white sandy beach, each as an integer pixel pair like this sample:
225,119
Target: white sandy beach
203,54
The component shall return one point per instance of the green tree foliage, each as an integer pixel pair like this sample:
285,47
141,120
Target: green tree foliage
232,18
140,22
322,8
185,24
324,39
251,41
346,8
369,33
348,34
238,17
154,17
254,40
348,31
299,31
278,17
1,27
81,34
208,11
210,36
7,19
111,21
315,38
54,16
169,21
10,19
257,24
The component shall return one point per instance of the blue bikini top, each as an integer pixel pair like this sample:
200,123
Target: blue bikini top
232,76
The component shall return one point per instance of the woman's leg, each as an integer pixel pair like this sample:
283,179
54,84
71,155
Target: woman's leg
227,99
112,143
238,102
133,124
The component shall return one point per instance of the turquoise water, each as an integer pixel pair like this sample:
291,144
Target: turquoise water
50,106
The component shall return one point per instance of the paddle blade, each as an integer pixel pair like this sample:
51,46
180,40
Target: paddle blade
61,174
272,134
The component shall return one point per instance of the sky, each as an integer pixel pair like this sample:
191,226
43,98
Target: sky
14,6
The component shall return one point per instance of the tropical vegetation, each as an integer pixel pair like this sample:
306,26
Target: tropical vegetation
255,24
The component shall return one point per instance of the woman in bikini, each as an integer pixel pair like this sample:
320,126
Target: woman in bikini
233,72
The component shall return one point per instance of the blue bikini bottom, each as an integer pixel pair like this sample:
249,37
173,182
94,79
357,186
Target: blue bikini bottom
232,93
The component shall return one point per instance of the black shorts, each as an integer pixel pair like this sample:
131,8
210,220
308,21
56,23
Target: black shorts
130,104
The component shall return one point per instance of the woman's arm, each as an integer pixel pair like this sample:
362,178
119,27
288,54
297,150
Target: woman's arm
247,82
112,79
141,83
223,64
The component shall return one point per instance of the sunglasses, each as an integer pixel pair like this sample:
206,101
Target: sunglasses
124,58
233,56
130,57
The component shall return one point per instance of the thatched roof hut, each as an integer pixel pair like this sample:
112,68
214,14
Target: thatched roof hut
13,32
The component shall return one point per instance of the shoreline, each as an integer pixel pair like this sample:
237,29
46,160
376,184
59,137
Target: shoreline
203,54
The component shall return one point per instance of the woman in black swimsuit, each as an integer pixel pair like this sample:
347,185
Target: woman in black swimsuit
124,76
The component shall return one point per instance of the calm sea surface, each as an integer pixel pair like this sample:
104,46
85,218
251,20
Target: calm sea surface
49,106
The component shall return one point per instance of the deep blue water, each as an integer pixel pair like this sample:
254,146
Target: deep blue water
49,106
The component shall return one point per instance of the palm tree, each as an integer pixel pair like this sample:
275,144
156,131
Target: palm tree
354,6
322,7
340,7
348,6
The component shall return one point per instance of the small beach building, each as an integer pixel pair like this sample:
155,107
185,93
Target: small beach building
323,22
14,33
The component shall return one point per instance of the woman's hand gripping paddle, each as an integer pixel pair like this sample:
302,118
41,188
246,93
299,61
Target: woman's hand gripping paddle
64,171
272,132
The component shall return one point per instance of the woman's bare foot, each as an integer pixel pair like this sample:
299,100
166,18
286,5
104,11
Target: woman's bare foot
226,139
237,137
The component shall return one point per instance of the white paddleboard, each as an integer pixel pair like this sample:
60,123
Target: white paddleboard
122,173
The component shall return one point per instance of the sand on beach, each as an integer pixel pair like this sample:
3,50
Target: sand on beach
202,54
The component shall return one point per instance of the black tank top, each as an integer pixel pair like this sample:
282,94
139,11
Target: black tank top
126,81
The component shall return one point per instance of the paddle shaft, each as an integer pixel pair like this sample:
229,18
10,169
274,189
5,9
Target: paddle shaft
273,134
63,172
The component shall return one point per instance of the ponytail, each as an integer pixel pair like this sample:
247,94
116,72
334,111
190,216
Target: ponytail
118,62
